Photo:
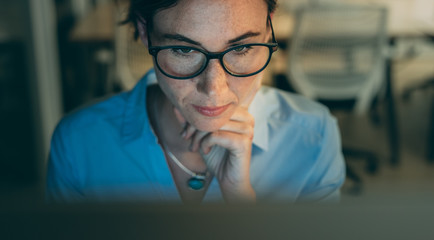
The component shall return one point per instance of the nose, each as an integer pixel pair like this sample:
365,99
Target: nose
214,80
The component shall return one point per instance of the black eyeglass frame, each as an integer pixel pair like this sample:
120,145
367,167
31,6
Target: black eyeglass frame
153,50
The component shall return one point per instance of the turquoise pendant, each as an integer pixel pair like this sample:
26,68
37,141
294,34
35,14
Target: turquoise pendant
195,183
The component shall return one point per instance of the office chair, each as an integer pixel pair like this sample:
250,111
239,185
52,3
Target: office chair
337,57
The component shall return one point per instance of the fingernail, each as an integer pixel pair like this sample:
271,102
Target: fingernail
187,135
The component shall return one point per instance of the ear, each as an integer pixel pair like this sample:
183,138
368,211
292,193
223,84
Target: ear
143,33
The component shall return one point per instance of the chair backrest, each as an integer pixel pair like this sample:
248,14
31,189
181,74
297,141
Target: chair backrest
337,53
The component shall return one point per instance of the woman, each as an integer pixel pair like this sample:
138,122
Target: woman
207,131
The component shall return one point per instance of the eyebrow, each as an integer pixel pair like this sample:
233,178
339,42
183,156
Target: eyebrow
182,38
244,36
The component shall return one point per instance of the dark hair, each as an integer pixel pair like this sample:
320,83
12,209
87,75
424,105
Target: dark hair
146,9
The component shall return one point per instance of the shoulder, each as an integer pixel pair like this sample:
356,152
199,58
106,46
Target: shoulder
299,145
284,108
85,133
290,124
94,116
82,140
106,121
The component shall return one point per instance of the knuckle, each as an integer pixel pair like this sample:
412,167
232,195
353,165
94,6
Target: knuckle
251,135
246,141
245,128
250,120
250,131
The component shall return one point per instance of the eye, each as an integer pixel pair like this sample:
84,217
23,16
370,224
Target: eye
240,49
183,50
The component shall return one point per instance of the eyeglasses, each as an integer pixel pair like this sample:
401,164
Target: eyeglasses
182,62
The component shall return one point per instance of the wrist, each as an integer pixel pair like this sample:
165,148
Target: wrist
239,194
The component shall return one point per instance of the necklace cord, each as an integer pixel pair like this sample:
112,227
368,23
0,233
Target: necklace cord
199,176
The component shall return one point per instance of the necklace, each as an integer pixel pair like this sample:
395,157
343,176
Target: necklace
197,180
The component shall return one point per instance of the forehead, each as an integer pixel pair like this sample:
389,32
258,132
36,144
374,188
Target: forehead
198,17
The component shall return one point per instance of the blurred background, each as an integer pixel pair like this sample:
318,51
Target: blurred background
57,55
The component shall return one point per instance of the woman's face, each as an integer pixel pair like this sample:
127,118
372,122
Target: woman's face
208,100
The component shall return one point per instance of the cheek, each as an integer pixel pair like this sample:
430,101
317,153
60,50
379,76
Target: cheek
246,88
176,90
257,82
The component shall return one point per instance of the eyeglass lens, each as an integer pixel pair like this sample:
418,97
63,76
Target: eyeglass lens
185,62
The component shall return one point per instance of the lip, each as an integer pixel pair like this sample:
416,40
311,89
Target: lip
211,111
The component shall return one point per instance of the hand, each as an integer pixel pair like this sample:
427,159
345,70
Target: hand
226,153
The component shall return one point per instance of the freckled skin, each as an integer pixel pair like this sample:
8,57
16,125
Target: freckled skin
199,141
211,23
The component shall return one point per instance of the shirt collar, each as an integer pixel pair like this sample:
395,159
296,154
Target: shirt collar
136,121
256,108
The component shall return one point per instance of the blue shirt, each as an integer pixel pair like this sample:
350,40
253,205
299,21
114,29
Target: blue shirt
108,151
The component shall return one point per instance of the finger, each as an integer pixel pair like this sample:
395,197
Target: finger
214,158
196,139
239,127
242,115
237,144
188,131
179,117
